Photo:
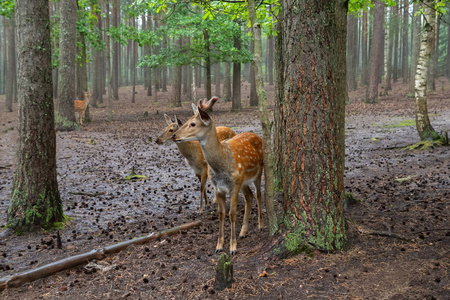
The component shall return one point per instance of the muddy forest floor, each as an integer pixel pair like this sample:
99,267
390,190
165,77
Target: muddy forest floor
400,191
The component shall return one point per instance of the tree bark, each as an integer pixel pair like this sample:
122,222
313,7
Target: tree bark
64,107
414,49
236,104
207,64
11,65
312,126
253,93
405,41
390,47
433,60
351,52
133,65
448,47
396,31
270,60
226,94
115,52
175,97
217,78
375,54
35,199
364,63
264,118
423,124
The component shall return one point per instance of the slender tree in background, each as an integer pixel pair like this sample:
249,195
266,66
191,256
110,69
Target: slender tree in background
175,97
405,41
448,46
396,43
414,49
226,94
312,126
11,64
217,78
133,64
375,53
364,68
264,117
236,104
352,23
207,64
35,199
391,25
64,105
423,124
115,52
432,69
253,95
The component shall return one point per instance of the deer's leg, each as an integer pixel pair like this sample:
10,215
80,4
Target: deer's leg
234,197
248,207
203,179
200,208
258,197
221,211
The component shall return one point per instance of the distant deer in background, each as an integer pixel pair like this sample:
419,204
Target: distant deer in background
233,165
81,105
193,153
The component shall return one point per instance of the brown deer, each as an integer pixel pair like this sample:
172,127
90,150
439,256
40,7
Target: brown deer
193,153
233,165
81,105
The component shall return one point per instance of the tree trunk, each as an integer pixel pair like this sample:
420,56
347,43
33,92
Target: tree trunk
236,104
352,24
265,122
388,86
217,78
270,60
375,54
115,52
396,31
414,49
175,97
431,86
312,126
448,47
253,95
423,124
364,63
227,82
64,105
5,52
133,65
35,199
11,65
207,64
405,41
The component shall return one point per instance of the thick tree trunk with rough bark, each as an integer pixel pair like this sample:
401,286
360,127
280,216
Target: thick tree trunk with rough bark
35,199
423,124
64,106
265,122
375,54
312,126
414,49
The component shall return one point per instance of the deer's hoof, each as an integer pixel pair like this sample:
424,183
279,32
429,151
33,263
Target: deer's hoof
233,252
218,250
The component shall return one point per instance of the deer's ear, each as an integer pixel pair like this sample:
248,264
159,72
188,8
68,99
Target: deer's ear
206,119
178,121
194,108
168,120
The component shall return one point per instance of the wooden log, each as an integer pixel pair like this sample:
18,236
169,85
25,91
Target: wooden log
54,267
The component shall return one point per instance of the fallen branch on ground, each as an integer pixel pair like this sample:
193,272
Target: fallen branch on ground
384,233
100,253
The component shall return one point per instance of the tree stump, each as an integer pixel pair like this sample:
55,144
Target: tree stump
224,273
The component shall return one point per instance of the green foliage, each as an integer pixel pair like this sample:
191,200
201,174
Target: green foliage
7,8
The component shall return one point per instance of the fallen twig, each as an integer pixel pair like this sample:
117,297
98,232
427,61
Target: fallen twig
87,194
383,233
100,253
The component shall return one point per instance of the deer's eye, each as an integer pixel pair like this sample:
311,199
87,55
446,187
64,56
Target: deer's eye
192,124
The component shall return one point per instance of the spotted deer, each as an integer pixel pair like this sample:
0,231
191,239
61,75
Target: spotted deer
81,105
193,153
233,165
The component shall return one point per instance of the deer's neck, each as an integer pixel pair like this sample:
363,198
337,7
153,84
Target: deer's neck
216,154
187,149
